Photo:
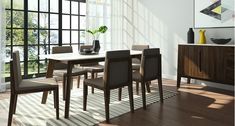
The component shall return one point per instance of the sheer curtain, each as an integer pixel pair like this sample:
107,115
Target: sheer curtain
112,14
2,45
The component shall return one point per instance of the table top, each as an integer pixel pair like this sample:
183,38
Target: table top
77,56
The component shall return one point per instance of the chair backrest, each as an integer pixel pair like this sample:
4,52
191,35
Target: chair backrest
118,70
82,47
15,69
138,48
61,49
150,67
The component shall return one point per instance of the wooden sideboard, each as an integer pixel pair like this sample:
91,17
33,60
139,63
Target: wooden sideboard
206,62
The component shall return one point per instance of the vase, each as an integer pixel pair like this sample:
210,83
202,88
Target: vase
202,37
96,46
190,35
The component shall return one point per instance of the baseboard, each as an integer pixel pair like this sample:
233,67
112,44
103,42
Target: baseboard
204,83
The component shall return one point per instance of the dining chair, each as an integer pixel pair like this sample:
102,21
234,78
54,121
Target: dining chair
150,69
60,69
23,86
117,73
136,65
92,68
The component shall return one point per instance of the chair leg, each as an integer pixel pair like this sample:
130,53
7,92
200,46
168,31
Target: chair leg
106,101
56,102
54,98
148,86
85,90
137,87
119,94
160,89
143,94
64,86
130,91
44,97
11,109
78,81
15,103
92,77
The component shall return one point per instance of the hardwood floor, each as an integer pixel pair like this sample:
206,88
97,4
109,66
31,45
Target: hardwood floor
194,105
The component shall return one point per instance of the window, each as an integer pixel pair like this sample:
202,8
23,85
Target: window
33,28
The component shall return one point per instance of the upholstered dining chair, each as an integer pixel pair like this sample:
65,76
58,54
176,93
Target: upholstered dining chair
20,86
60,69
117,73
136,65
92,68
150,69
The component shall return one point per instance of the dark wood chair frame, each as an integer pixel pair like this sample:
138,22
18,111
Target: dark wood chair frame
107,88
15,92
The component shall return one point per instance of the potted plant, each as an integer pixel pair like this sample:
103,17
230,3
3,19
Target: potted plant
96,33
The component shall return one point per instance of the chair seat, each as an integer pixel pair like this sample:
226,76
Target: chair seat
135,66
37,84
97,82
94,68
75,71
136,76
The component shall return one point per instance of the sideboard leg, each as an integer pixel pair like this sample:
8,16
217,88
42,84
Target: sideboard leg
188,80
178,81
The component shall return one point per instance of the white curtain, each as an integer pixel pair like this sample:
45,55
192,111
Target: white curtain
2,45
112,14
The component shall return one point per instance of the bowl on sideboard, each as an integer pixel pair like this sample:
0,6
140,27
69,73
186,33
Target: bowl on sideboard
221,40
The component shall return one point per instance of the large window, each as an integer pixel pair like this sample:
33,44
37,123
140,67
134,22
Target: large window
35,26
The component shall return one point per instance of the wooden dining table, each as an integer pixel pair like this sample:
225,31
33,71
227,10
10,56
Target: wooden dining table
71,59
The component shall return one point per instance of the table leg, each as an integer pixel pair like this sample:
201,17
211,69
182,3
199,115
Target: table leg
49,74
68,84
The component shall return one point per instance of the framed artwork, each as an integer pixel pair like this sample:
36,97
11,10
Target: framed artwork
214,13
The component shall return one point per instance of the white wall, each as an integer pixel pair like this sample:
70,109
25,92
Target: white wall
164,24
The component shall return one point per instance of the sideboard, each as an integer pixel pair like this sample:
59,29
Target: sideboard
206,62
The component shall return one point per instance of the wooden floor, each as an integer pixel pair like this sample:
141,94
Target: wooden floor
194,105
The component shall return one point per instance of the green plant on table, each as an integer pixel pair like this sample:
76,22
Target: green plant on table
97,31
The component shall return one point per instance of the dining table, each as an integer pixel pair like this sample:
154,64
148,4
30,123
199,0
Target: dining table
71,59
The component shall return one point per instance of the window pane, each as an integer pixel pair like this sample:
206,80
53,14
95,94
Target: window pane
82,37
54,37
82,22
43,36
32,37
54,21
66,6
8,53
44,49
8,37
54,5
66,22
7,3
18,4
18,37
33,5
32,67
32,20
43,66
43,20
18,19
74,37
74,7
44,5
82,8
8,18
74,22
7,70
66,37
21,51
32,52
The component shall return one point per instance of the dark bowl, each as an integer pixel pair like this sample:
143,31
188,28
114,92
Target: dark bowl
220,40
87,50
